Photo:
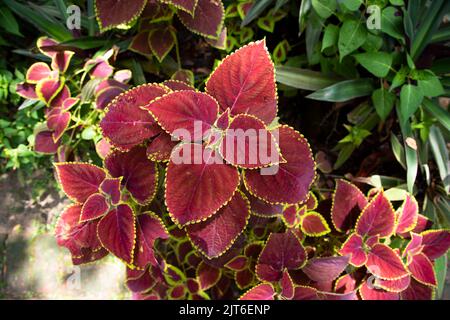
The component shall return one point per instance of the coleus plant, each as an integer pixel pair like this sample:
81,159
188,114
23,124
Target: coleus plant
62,91
224,226
156,34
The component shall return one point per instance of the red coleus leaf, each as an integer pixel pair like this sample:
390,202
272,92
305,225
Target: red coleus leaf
185,5
261,208
177,292
248,144
69,103
417,291
37,72
223,121
186,115
207,19
207,275
237,263
422,270
107,95
195,191
407,215
177,85
435,243
94,207
313,224
112,13
139,281
345,284
282,250
221,41
125,123
354,247
111,188
348,202
326,268
309,293
231,220
103,148
290,217
244,278
161,146
61,96
44,143
140,175
75,236
61,61
45,46
263,291
384,262
414,246
88,255
245,83
311,203
161,40
149,227
397,285
377,218
140,43
58,121
47,89
289,182
26,90
287,285
117,232
79,180
369,292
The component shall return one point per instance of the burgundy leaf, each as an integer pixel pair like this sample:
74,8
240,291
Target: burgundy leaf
79,180
94,207
117,233
290,181
37,72
384,262
436,243
160,148
377,218
161,40
207,19
195,191
326,268
422,270
370,293
282,250
264,291
185,5
141,44
353,247
177,85
207,276
313,224
215,236
26,90
245,83
140,175
113,13
44,143
111,188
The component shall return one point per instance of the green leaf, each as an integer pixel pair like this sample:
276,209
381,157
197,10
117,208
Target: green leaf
8,21
266,23
440,153
352,5
313,31
439,113
397,2
399,78
410,153
344,91
88,133
373,43
440,268
351,36
431,86
377,63
383,102
303,78
398,150
330,36
257,8
345,153
324,8
411,97
391,23
86,43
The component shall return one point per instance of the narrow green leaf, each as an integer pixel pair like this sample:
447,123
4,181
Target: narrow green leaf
399,78
377,63
313,31
412,162
383,102
440,268
439,113
440,153
351,36
343,155
303,78
411,97
305,6
344,91
8,21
